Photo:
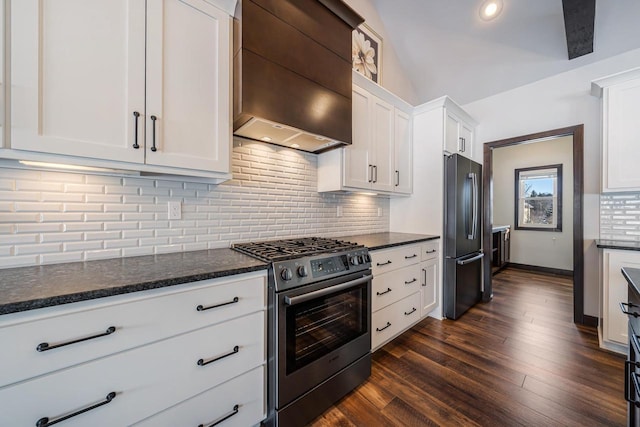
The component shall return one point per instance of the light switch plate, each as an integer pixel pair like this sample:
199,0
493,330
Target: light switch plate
175,210
339,211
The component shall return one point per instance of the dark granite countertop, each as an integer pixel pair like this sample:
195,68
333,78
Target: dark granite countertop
387,240
498,228
633,277
625,245
28,288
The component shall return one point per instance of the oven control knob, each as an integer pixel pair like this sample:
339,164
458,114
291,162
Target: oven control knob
286,274
302,271
361,259
354,260
367,258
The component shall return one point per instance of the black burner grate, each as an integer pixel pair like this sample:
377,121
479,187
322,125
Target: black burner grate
279,250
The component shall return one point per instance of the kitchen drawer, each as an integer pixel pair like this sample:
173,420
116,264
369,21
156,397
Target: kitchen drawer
247,392
392,259
137,321
394,319
390,287
146,380
430,250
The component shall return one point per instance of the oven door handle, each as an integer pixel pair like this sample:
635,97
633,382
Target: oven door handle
325,291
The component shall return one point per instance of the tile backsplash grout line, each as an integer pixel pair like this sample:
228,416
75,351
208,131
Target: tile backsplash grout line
51,217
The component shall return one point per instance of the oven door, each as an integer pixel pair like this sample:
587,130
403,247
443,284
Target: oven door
321,329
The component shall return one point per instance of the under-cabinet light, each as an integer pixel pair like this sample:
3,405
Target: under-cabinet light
295,145
47,165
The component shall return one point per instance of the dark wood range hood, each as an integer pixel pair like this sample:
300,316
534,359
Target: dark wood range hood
292,72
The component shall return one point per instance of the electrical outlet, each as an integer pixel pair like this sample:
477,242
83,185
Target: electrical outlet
379,212
339,211
175,210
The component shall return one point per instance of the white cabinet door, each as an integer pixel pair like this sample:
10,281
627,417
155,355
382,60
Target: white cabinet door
615,292
621,137
187,85
381,122
78,74
429,288
465,135
403,153
458,136
357,157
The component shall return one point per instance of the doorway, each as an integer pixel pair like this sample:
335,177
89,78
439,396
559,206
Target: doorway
577,135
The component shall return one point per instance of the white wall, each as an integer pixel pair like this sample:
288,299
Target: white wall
539,248
556,102
394,78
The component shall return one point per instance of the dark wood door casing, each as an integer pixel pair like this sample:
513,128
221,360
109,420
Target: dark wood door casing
578,205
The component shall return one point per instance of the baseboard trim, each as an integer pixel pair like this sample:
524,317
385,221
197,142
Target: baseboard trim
548,270
590,321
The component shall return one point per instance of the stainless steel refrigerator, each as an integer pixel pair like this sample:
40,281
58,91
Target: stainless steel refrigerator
463,228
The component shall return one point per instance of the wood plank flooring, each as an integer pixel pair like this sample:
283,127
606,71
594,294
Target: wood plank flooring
517,360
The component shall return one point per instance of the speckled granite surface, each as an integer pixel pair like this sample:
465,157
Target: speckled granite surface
28,288
387,240
618,244
633,277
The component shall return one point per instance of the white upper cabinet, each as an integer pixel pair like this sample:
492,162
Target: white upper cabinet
380,156
358,158
143,82
403,153
77,71
620,130
458,135
188,85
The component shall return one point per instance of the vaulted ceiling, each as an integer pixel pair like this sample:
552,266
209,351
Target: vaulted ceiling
446,49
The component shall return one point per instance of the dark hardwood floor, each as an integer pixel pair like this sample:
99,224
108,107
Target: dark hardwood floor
517,360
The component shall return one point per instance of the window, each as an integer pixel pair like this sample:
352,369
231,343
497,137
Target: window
539,198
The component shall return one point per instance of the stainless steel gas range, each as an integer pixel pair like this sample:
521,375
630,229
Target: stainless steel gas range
319,324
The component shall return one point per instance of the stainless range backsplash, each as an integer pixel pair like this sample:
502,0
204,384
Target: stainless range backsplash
620,216
51,217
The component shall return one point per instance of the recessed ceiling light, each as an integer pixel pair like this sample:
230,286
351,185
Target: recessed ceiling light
266,139
490,9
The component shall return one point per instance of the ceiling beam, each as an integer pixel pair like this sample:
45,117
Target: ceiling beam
579,16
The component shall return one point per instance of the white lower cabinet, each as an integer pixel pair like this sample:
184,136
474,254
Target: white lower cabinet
614,288
429,288
238,402
124,387
404,290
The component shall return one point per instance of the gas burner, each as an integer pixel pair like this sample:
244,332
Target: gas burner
280,250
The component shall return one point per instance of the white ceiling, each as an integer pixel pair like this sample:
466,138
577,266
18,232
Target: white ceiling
446,49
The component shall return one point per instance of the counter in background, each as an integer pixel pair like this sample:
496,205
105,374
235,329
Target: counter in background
623,245
376,241
500,247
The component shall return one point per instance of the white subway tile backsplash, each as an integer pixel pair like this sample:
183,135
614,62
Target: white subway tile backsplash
272,195
37,249
620,216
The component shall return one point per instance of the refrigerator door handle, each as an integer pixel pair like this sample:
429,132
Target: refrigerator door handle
466,261
474,209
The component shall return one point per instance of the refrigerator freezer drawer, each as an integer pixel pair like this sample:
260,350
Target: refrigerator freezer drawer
463,284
